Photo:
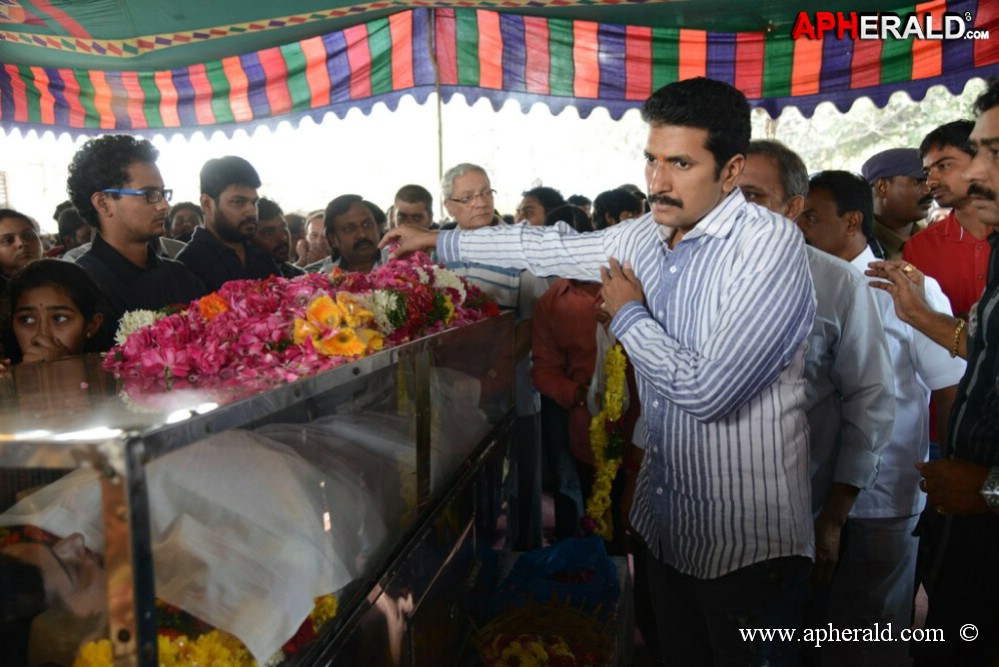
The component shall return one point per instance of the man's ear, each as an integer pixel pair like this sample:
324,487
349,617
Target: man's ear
854,221
102,202
450,212
331,240
207,207
731,172
794,206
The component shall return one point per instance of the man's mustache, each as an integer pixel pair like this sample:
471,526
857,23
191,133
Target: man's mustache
981,191
362,243
665,199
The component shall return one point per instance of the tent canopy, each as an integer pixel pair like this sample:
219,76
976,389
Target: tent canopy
151,66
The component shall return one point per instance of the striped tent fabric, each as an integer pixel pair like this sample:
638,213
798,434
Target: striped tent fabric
499,56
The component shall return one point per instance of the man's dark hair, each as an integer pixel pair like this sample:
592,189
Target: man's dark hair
102,163
296,222
67,276
578,200
377,213
706,104
70,222
851,192
23,598
339,206
183,206
790,166
989,97
221,172
416,194
614,203
268,209
954,134
550,198
573,215
60,208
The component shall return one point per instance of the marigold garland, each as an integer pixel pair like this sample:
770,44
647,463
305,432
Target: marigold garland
216,648
607,444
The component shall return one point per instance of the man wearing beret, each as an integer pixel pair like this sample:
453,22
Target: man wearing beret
901,200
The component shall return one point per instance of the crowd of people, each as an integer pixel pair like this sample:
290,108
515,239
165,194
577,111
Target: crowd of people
813,424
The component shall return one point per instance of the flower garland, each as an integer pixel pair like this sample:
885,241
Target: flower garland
214,647
282,329
607,443
530,649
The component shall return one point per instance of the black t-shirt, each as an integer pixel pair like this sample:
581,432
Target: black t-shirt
215,263
125,286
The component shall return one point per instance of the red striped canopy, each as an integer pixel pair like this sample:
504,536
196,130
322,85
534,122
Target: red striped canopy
498,55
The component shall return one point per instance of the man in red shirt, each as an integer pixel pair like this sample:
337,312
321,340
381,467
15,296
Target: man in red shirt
955,250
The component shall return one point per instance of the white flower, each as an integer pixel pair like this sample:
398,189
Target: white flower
380,303
424,278
444,278
132,321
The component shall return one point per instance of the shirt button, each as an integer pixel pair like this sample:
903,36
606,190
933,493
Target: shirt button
660,314
655,404
672,269
659,491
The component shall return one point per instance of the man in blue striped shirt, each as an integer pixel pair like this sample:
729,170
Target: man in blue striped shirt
712,299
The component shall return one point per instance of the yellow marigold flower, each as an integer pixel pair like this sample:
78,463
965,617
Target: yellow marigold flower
449,305
94,654
212,306
325,609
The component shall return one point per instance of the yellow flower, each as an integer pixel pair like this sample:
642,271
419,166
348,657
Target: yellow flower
340,343
94,654
598,505
212,306
322,311
372,339
353,314
325,609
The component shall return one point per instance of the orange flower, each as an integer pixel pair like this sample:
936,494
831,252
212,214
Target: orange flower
340,343
324,312
212,306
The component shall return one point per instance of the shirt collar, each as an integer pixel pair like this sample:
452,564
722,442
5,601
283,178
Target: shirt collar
863,259
106,251
719,221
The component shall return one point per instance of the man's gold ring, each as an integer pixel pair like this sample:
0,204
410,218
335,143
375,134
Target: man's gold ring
908,268
940,510
922,485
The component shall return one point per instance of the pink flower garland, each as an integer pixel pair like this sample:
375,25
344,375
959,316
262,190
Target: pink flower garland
244,331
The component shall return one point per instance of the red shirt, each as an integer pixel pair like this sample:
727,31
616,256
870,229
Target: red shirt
955,258
564,356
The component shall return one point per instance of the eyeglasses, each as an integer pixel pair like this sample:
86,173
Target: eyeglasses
152,195
485,195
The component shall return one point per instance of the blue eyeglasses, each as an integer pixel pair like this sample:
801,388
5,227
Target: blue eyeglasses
152,195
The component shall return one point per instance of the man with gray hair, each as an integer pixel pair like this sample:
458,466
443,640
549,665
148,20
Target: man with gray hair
468,198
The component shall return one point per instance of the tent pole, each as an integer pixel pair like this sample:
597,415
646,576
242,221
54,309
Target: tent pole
440,105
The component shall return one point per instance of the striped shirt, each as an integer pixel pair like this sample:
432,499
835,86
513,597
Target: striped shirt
718,349
974,418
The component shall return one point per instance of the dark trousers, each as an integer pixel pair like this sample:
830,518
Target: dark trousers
699,620
964,596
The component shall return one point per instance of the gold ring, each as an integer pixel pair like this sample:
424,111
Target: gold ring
908,268
940,510
922,485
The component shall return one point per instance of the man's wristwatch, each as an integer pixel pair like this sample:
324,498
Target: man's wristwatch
990,489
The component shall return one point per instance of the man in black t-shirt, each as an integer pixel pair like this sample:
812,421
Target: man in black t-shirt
115,185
